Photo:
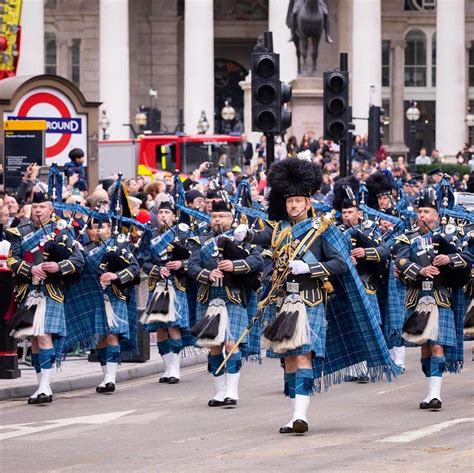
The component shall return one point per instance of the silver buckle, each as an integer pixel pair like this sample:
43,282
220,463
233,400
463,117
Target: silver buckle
292,287
427,285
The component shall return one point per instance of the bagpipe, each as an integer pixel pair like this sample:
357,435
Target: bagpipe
229,250
360,240
162,304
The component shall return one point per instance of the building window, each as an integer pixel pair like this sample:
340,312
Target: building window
76,62
50,53
415,59
471,67
433,61
385,63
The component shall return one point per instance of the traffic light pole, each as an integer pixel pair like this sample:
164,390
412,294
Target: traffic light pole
270,147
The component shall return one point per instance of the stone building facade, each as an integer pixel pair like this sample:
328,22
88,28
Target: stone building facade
195,53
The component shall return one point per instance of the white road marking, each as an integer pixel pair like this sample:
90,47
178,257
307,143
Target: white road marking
27,429
412,435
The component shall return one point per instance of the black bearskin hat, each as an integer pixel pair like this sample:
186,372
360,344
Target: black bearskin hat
220,206
378,184
345,193
428,199
291,177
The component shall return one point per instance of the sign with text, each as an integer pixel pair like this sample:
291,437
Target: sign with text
65,127
24,144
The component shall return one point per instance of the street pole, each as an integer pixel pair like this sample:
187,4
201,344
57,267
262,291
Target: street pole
270,145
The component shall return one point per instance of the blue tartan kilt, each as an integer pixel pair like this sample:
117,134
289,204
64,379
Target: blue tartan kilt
181,310
238,318
374,305
119,307
55,320
317,324
446,327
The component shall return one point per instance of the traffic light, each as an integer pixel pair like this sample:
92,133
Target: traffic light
336,105
269,94
376,123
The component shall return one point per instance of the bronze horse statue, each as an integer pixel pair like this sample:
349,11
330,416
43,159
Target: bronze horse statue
308,19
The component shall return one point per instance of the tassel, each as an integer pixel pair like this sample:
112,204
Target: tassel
469,320
162,306
211,330
290,329
109,313
422,325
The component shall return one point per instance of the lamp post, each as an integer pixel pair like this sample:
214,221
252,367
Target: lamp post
140,120
104,124
412,114
470,124
228,116
203,124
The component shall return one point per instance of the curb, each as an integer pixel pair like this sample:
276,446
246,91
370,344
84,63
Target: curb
92,380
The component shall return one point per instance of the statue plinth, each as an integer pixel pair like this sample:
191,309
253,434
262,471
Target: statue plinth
306,107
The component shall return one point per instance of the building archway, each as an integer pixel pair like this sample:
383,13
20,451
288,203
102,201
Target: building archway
227,75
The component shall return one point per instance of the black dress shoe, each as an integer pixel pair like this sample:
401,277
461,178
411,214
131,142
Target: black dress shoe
435,404
100,389
350,379
424,405
40,399
363,379
300,426
163,379
173,380
286,430
110,387
229,402
215,403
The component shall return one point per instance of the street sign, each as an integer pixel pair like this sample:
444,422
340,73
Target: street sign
66,128
24,144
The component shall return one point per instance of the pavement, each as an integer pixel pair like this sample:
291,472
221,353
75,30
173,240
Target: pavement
78,373
147,426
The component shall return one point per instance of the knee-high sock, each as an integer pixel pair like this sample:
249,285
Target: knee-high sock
304,386
233,375
213,363
164,349
46,360
437,368
113,353
102,357
425,367
35,362
176,344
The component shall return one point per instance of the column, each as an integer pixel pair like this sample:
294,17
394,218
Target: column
277,11
366,59
198,63
114,66
31,60
450,76
397,85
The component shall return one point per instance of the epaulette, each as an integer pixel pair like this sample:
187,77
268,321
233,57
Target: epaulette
272,223
402,238
196,239
14,231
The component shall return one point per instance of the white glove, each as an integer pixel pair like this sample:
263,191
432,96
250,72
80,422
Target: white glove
240,233
299,267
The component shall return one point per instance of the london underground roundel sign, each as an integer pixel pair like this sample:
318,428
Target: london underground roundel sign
66,129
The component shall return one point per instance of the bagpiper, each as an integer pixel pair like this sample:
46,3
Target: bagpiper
167,312
318,316
218,264
43,258
434,270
